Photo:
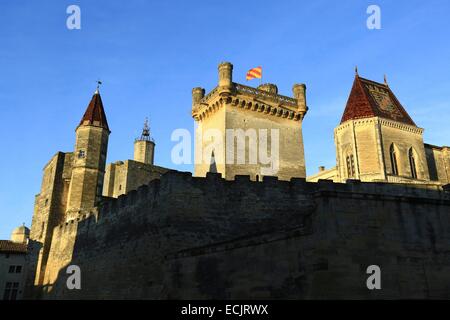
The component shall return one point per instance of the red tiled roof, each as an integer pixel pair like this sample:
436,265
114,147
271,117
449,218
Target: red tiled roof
95,114
372,99
7,246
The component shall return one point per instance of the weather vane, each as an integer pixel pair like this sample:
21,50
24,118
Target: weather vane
98,84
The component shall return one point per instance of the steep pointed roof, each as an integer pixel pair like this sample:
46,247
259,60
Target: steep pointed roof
95,113
372,99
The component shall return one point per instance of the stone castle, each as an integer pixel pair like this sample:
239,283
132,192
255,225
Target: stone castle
137,230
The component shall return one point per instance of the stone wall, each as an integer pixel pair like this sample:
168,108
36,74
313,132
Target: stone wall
7,260
144,151
186,237
438,159
324,174
291,156
255,125
122,177
49,208
369,141
88,169
203,153
404,137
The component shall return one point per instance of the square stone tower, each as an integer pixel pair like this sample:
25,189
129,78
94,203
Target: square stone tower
89,160
377,140
72,184
249,131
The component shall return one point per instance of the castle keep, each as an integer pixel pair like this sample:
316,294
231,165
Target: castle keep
141,231
232,108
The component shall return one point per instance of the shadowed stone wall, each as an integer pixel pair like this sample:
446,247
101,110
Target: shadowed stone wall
186,238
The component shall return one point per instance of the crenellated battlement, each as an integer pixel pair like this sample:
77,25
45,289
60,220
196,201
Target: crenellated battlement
249,98
175,182
264,98
179,221
228,234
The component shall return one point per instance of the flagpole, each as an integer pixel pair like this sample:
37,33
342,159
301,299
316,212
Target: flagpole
260,79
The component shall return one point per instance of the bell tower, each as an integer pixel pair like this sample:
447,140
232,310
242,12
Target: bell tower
86,183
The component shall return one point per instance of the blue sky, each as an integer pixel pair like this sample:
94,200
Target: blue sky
150,54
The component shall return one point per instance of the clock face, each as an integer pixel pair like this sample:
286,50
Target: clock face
384,102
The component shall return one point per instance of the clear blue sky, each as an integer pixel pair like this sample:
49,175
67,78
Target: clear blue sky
150,54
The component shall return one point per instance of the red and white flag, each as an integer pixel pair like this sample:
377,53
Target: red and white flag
254,73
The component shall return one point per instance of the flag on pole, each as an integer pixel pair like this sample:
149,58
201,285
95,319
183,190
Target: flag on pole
254,73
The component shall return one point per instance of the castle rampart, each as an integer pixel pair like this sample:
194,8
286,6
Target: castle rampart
190,237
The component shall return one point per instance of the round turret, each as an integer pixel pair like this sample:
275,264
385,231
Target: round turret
225,75
299,91
197,95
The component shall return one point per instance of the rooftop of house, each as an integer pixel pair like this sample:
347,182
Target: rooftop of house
7,246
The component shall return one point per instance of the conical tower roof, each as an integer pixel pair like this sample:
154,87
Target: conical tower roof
95,113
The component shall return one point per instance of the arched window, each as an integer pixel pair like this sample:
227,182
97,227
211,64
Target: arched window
393,156
412,163
350,166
